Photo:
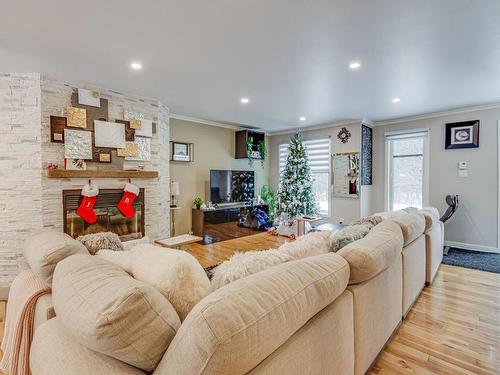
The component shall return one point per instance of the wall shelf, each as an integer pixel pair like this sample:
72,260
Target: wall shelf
63,173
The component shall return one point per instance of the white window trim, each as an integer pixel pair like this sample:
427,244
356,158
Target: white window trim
426,157
330,202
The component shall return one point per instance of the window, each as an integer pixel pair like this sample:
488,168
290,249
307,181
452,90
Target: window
318,154
407,180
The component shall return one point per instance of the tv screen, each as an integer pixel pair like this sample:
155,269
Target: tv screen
231,186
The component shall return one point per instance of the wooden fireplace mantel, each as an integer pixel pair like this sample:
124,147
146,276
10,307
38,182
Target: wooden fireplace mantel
63,173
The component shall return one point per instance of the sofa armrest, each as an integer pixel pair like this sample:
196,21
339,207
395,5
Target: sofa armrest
53,352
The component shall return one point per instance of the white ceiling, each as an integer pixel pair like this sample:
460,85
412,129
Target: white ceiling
289,57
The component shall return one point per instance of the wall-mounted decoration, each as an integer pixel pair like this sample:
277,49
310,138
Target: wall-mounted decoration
93,113
345,173
344,135
463,134
133,115
143,150
57,125
366,154
146,129
130,150
181,151
89,97
75,164
77,144
129,132
135,124
101,155
109,134
76,117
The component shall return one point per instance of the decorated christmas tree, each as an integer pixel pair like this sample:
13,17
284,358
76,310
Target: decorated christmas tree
295,192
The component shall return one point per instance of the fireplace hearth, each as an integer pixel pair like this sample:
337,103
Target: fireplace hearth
109,218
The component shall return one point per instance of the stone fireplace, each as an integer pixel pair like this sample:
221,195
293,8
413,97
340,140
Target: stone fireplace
109,218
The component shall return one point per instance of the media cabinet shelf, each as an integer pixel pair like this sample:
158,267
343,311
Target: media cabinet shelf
63,173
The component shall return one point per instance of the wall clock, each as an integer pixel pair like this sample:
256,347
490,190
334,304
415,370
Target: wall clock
344,135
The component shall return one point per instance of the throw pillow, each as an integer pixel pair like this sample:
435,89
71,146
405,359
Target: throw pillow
347,235
370,221
314,243
245,264
174,273
44,249
98,241
110,312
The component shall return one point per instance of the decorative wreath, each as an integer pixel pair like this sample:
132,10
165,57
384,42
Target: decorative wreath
344,135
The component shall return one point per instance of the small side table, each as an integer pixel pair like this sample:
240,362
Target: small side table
178,241
172,218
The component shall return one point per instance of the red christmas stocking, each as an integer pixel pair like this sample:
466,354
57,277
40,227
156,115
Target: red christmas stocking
86,209
125,205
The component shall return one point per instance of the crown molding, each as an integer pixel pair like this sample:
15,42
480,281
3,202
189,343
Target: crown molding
425,116
319,127
205,122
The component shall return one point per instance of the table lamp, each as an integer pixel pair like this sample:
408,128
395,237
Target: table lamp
174,192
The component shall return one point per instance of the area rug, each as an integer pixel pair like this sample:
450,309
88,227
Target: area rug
473,259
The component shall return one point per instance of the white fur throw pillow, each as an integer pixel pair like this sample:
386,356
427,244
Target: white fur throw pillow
174,273
311,244
347,235
241,265
103,240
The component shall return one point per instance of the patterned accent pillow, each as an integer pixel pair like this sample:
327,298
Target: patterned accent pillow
347,235
98,241
370,221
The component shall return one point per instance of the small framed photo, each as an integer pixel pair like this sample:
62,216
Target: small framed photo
463,134
181,151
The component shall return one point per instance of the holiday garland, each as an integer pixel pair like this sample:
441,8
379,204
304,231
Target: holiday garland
295,192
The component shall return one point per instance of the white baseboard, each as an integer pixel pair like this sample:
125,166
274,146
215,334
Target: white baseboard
470,246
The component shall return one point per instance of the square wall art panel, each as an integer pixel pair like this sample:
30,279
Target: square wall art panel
76,117
109,134
89,97
143,149
77,144
146,129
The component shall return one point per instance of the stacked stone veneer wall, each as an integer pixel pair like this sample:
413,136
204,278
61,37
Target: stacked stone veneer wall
29,200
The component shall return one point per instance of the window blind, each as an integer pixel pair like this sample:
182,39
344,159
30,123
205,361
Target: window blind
317,151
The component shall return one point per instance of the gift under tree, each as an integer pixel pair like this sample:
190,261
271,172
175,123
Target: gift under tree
295,192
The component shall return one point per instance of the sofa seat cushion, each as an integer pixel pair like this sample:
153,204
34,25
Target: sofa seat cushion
241,265
374,253
106,310
431,216
54,352
236,327
44,249
314,243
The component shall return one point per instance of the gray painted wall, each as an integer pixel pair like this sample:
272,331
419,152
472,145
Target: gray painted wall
476,221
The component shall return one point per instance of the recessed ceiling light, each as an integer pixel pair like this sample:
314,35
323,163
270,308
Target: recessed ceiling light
355,65
136,66
245,100
396,100
302,118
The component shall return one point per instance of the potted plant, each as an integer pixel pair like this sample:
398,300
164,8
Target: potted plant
268,195
198,202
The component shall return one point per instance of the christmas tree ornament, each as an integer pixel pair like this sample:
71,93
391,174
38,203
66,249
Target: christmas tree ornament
86,208
130,193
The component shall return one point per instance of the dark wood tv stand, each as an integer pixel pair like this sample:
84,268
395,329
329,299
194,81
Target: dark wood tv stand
205,223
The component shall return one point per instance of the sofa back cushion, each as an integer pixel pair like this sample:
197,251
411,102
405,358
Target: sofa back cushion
44,249
236,327
374,253
411,221
108,311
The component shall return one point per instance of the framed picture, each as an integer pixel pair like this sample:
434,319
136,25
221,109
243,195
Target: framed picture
463,134
181,151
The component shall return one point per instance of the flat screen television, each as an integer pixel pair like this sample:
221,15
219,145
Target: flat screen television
231,186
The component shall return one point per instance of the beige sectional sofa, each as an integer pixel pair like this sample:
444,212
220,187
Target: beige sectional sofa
330,313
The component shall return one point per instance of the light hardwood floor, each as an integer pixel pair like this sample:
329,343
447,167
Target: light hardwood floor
453,328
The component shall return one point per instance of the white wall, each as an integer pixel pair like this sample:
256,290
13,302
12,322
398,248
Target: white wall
213,149
475,223
345,208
